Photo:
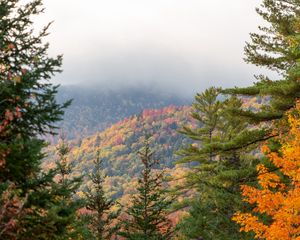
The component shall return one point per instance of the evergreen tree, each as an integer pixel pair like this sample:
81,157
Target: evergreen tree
219,171
27,97
65,188
276,47
58,214
148,213
28,110
206,112
100,220
64,168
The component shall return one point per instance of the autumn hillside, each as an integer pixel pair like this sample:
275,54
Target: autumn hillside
120,143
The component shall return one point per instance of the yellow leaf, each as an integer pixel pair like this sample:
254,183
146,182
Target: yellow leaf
17,79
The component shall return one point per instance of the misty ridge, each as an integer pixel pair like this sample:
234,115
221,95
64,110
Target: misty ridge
96,107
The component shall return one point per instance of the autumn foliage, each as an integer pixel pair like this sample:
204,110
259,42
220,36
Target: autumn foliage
278,198
12,209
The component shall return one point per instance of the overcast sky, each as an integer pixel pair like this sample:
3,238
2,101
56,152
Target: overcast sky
182,45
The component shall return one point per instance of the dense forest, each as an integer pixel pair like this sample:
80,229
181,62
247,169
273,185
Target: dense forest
119,144
96,108
227,167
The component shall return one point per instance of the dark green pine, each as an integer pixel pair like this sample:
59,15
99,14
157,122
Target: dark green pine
147,216
206,112
217,170
56,205
277,48
29,111
100,220
25,89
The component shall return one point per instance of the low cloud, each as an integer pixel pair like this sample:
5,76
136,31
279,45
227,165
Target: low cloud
177,45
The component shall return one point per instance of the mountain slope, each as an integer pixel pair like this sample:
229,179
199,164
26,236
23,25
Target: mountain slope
94,109
120,143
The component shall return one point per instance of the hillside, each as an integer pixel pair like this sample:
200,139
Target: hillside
119,145
96,108
120,142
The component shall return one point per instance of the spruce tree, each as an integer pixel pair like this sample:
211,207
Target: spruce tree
56,217
277,48
27,96
28,110
69,205
101,218
219,171
148,212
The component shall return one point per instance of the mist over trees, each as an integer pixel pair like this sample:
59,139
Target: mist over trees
226,167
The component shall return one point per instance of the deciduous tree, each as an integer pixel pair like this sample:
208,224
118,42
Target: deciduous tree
277,200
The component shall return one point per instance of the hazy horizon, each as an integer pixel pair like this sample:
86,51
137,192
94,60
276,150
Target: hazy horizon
180,46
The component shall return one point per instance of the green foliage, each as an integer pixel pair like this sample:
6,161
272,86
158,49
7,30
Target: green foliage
215,128
217,171
28,107
217,199
56,210
276,47
28,110
206,111
147,215
100,218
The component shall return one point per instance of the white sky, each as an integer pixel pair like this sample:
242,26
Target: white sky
182,45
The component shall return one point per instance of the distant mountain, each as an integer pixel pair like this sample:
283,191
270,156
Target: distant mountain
120,143
94,109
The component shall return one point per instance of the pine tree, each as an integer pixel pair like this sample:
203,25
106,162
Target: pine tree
148,213
276,47
65,188
101,217
206,112
214,127
28,110
57,216
219,170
